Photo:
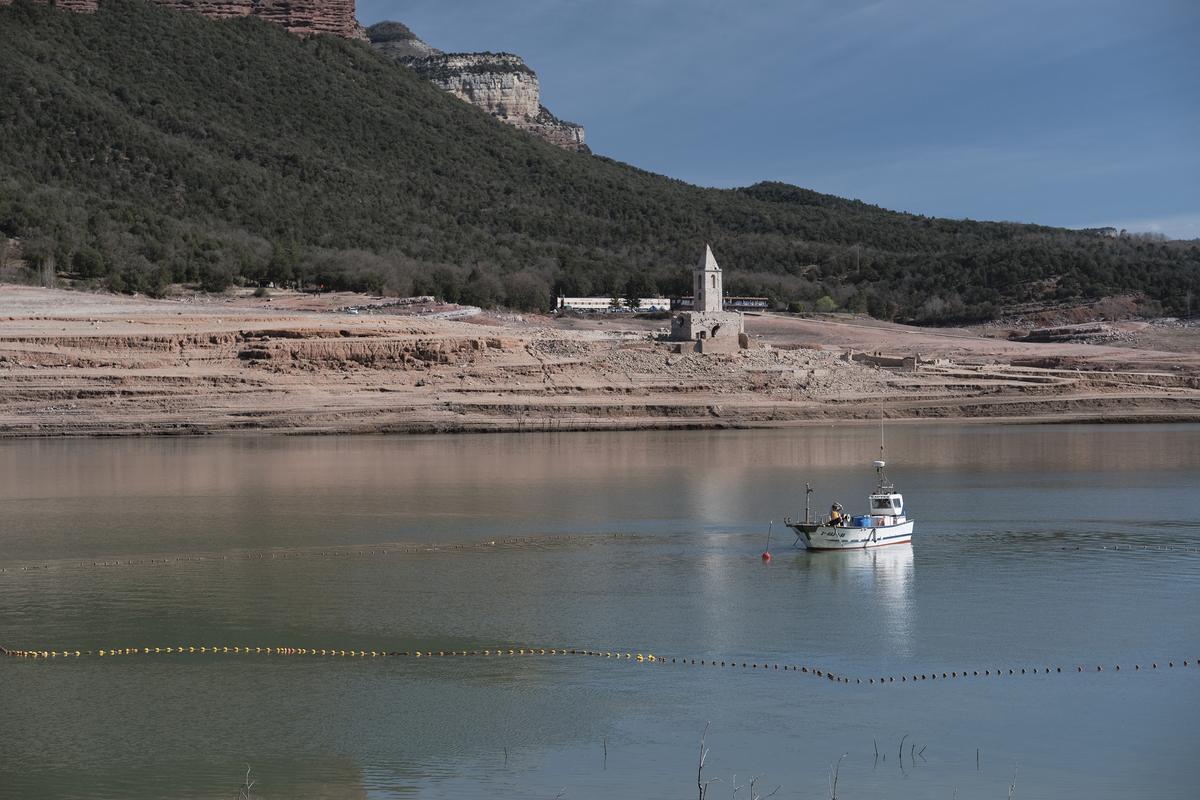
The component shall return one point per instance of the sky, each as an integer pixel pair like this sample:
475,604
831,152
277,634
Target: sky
1062,112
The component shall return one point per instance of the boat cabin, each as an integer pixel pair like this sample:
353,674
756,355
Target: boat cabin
888,504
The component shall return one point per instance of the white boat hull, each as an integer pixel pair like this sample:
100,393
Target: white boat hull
829,537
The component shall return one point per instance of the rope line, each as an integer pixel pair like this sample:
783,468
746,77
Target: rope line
617,655
315,651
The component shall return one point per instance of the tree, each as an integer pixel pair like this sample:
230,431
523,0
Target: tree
49,275
482,289
87,262
527,291
281,268
825,304
216,278
637,288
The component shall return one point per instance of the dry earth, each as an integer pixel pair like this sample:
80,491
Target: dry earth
74,363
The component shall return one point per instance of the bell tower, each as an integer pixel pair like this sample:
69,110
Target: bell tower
709,292
708,326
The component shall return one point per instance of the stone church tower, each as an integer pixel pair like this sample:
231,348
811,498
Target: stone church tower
708,291
709,327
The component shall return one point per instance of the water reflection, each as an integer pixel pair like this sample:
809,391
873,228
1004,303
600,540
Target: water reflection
221,467
878,584
892,579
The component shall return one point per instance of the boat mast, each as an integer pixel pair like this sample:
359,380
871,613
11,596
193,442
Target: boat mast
807,503
880,464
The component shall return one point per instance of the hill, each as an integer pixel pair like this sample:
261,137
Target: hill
140,146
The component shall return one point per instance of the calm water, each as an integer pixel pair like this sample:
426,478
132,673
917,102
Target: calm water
646,542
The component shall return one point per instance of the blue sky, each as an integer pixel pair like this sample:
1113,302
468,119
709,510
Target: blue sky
1060,112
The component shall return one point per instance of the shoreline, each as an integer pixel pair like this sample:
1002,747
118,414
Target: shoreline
515,427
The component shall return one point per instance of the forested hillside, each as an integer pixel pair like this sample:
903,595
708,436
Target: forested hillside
140,146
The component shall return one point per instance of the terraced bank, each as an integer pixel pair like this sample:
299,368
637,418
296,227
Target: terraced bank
98,365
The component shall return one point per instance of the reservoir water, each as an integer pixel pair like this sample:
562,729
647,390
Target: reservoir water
1036,547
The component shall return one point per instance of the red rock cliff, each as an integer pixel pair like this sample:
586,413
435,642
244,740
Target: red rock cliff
67,5
298,16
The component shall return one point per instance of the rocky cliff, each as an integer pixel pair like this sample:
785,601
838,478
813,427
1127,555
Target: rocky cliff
301,17
395,40
82,6
499,83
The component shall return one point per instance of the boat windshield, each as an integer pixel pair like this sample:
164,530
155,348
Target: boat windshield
881,503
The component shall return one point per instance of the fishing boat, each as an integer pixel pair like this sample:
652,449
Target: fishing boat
885,524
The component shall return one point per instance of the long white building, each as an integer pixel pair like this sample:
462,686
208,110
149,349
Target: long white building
607,304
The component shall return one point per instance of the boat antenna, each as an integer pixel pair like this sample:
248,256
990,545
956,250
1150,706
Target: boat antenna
881,435
880,464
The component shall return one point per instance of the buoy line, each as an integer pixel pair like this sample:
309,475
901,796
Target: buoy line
627,656
931,676
502,652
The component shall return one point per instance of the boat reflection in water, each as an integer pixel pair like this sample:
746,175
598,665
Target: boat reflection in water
877,586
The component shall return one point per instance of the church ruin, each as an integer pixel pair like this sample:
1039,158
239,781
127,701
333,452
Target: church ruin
709,327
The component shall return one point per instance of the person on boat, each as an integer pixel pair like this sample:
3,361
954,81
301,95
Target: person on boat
835,515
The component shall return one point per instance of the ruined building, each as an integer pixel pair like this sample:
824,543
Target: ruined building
709,328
